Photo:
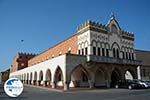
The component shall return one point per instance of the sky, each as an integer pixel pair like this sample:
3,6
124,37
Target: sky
43,23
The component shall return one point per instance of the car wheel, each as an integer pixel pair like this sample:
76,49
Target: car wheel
130,87
116,86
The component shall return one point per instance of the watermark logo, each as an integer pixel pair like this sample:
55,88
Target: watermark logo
13,87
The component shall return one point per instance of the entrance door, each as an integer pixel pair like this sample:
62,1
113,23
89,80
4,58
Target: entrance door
115,77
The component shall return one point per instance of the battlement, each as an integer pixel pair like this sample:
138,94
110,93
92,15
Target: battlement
91,23
26,54
126,34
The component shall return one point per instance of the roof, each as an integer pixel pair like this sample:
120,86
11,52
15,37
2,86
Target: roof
144,56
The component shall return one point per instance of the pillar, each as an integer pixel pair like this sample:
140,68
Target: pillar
45,83
53,85
49,83
38,82
91,84
139,72
23,81
66,86
26,81
107,83
34,82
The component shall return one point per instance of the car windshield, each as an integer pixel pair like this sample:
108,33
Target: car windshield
135,81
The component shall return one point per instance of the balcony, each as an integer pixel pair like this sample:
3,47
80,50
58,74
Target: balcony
112,60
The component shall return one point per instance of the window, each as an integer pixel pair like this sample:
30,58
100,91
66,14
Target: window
94,50
132,56
69,51
99,51
126,55
114,53
79,52
107,52
103,52
117,51
82,51
86,51
114,28
129,56
123,55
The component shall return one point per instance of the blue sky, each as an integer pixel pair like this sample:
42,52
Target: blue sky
43,23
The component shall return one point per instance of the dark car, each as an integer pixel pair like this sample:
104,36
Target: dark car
130,84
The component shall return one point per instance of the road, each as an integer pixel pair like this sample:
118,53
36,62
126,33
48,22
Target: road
36,93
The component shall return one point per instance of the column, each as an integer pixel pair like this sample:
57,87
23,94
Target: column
139,72
66,86
53,85
107,83
38,82
49,83
34,82
45,83
91,84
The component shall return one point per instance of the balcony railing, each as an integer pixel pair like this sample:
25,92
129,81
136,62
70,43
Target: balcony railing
101,59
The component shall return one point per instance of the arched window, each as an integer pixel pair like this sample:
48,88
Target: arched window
117,53
99,51
79,52
103,52
126,55
107,52
94,50
86,51
82,51
113,28
123,56
114,52
132,56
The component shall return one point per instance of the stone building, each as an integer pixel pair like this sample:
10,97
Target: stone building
96,55
144,56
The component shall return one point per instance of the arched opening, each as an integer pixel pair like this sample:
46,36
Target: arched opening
35,78
58,77
22,78
114,28
114,52
117,53
79,77
129,74
115,77
30,78
48,77
40,78
27,78
99,78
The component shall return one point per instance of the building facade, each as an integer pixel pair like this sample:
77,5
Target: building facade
144,56
96,55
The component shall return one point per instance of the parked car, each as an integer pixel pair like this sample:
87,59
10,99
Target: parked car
131,84
146,83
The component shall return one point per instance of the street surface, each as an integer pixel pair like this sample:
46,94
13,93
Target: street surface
40,93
